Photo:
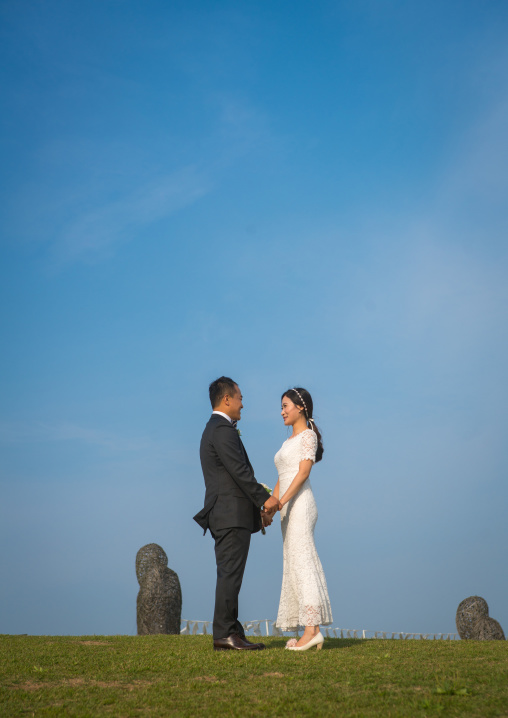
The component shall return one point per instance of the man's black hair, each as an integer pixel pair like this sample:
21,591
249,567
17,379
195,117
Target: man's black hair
219,388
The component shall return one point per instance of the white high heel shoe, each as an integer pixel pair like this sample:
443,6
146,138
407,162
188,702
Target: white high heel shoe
317,641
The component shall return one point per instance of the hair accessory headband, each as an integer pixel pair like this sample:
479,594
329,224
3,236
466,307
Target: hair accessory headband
304,404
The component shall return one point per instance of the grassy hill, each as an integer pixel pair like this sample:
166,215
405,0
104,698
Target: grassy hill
183,676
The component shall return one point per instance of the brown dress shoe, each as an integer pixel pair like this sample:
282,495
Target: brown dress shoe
235,643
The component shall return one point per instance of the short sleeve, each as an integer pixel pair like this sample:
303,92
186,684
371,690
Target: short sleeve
308,446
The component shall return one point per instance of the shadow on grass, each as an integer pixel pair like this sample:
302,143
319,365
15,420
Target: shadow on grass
329,644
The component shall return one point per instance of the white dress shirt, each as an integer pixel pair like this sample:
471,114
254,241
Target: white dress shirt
221,413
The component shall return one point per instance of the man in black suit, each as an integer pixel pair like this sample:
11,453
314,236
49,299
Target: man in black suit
233,500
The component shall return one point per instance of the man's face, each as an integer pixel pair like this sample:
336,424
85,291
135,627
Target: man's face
235,405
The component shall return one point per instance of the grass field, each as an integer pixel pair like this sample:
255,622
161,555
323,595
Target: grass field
183,676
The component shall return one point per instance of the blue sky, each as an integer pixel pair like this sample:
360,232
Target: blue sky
291,194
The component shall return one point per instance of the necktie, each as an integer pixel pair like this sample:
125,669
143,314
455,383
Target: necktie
234,422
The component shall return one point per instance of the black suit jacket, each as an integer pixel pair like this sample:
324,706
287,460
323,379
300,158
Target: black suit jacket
233,496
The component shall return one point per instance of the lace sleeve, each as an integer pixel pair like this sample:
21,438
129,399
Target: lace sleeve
308,446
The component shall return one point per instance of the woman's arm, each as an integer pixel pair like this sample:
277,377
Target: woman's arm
276,490
298,481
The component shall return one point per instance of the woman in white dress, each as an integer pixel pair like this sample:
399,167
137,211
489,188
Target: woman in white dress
304,601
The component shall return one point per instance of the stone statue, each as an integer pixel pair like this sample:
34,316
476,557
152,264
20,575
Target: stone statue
474,623
159,602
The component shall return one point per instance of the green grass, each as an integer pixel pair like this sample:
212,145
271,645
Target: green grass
183,676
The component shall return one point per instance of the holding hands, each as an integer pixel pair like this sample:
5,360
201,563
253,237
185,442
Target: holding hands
272,505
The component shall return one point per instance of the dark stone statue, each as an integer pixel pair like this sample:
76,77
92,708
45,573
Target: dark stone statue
159,603
474,623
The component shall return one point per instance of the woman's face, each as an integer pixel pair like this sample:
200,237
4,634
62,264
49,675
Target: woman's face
290,412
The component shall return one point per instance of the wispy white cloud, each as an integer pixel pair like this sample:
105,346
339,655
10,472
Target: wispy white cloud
243,128
94,233
97,225
456,245
457,279
38,432
477,180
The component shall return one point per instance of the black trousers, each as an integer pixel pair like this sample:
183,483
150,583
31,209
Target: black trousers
231,551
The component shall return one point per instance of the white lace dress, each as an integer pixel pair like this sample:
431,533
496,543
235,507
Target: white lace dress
304,596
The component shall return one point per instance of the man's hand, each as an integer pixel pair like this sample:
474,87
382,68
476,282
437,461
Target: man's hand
266,519
272,505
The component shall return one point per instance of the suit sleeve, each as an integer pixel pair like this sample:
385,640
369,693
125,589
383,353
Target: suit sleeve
227,445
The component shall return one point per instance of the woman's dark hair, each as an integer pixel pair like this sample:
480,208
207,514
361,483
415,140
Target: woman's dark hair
219,388
303,399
